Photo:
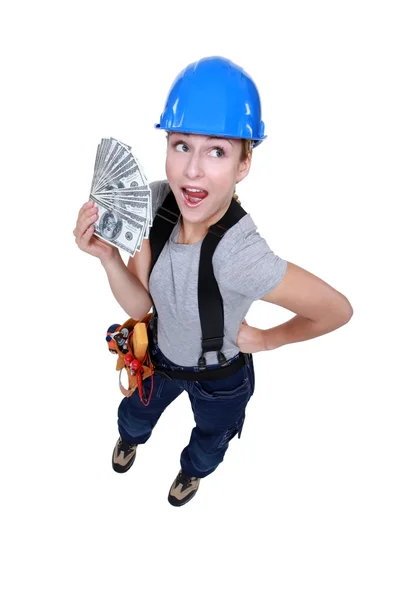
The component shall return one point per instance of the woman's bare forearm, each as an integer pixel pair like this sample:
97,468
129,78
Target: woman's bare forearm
128,291
300,329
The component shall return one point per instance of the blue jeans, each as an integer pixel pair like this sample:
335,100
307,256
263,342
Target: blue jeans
218,408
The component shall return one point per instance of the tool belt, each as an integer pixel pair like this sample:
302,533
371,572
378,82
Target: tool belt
130,341
131,344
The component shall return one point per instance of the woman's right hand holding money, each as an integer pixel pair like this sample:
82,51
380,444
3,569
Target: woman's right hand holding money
84,234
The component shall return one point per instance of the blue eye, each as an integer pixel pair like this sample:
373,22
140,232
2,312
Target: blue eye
181,144
220,151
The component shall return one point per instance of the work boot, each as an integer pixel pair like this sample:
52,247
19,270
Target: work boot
123,456
183,489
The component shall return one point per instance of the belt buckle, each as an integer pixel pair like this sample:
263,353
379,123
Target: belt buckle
247,358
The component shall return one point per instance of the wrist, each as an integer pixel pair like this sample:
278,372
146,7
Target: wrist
111,260
269,339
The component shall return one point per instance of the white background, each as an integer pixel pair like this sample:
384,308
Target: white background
306,503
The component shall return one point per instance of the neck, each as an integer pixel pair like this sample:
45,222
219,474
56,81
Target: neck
191,233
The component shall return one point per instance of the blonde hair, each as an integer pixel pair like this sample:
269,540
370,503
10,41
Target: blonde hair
247,148
247,152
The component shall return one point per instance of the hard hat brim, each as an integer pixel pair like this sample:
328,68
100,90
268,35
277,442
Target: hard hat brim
257,141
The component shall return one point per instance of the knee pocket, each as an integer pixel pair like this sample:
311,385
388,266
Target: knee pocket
230,433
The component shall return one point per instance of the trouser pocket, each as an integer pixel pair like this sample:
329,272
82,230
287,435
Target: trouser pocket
230,433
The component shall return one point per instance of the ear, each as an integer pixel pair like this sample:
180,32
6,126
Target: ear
243,168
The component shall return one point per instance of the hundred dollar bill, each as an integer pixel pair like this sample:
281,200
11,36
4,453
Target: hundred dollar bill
142,212
108,151
116,156
127,216
122,193
117,231
101,163
125,177
115,161
133,209
96,163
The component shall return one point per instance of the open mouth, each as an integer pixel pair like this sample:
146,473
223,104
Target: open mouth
193,196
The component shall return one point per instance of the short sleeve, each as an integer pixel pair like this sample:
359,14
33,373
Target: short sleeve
159,191
252,268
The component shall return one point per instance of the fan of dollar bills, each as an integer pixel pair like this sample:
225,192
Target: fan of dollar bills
120,190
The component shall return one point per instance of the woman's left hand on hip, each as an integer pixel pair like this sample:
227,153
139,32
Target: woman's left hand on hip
250,339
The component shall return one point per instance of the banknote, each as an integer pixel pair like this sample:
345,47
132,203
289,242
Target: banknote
122,193
114,229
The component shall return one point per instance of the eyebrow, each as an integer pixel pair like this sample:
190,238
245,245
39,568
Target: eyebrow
217,138
212,137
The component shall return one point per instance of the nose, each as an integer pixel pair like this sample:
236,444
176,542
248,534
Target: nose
193,167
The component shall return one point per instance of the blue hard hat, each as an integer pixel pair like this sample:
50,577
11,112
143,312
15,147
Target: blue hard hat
215,97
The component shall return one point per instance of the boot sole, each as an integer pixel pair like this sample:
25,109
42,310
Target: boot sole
175,502
119,468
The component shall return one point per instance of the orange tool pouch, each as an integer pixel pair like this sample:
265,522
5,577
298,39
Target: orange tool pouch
131,344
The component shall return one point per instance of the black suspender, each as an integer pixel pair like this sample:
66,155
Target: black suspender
164,222
211,307
210,301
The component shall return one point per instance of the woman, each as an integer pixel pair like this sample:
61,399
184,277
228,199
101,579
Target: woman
213,121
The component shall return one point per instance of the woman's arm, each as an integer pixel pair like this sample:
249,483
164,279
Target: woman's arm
128,284
319,308
128,289
139,264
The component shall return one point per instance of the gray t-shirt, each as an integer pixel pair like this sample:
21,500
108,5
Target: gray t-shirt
245,269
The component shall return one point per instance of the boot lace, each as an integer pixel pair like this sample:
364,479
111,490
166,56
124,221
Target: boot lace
125,447
184,479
